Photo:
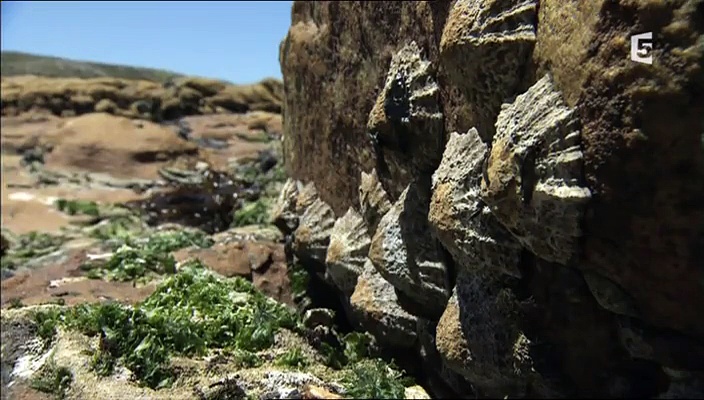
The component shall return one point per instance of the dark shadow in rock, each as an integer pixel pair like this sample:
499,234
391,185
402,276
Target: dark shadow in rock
565,324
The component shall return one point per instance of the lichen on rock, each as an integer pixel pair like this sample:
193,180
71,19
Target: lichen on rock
460,220
533,182
406,122
347,251
484,48
406,254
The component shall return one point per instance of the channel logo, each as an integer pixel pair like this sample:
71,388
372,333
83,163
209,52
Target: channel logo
641,48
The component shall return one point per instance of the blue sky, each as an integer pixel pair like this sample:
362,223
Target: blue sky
237,41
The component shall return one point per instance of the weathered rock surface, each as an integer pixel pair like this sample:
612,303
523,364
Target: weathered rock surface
406,125
293,200
533,181
641,129
374,202
283,214
460,219
405,253
81,143
312,237
375,307
479,337
578,193
485,47
348,250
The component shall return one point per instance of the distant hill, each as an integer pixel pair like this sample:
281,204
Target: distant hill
68,87
13,63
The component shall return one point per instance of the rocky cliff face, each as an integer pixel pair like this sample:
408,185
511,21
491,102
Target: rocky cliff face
496,185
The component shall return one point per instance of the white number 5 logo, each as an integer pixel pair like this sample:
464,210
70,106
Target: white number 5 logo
641,46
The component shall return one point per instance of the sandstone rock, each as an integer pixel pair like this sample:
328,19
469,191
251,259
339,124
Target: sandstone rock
127,152
533,179
227,259
485,47
406,123
134,97
478,337
405,253
335,57
312,237
643,229
375,308
459,218
373,200
259,260
348,250
106,106
43,280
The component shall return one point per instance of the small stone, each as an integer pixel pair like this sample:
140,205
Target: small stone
416,392
314,392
